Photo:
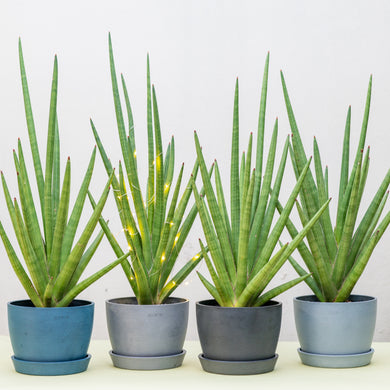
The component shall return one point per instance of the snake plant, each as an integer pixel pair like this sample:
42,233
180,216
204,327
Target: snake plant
243,259
53,266
336,257
157,231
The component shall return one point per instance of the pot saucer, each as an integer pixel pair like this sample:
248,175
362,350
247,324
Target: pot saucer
147,362
51,368
336,361
247,367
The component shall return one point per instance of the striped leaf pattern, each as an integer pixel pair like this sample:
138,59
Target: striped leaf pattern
242,259
336,257
155,224
53,265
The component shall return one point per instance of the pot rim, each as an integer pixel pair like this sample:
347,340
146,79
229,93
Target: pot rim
203,303
81,303
178,301
366,298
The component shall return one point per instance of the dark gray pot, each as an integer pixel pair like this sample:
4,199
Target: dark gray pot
238,334
336,328
138,332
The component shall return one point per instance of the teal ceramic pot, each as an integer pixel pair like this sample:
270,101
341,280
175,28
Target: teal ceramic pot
50,334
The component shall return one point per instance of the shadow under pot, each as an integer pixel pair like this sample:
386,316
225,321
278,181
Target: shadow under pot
335,334
238,340
147,337
50,340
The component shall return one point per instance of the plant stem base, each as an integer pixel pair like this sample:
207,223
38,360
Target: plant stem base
248,367
336,361
147,362
51,368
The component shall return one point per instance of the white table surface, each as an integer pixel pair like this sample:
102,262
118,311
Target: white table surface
289,373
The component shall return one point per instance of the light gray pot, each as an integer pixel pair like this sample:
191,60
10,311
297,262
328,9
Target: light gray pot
335,334
147,337
238,340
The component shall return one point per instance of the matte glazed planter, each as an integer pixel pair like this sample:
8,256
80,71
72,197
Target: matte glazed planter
335,334
50,340
147,337
238,340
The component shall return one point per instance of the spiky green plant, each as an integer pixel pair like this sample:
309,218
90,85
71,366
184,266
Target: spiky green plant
54,267
158,230
336,258
242,259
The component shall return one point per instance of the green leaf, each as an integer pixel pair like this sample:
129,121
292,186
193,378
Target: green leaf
129,161
226,249
117,249
344,171
151,161
31,131
279,290
260,136
60,224
158,218
162,250
38,274
309,281
325,221
242,266
263,200
19,270
73,260
214,248
179,277
211,289
349,224
221,202
274,236
28,208
68,298
48,203
234,176
71,227
85,259
56,172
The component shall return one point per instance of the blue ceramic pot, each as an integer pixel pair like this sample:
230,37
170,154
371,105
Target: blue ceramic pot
335,334
50,334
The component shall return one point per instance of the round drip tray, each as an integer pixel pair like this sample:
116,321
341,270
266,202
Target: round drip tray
247,367
336,361
147,362
51,368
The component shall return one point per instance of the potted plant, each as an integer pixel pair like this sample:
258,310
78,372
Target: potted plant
239,328
50,332
335,327
155,235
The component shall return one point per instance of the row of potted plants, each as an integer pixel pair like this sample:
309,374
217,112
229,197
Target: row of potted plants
239,328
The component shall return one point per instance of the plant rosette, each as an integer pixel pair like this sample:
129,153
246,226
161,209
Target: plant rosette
335,334
147,337
243,253
50,340
238,340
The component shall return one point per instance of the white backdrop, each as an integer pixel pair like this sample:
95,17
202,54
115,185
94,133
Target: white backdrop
327,51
